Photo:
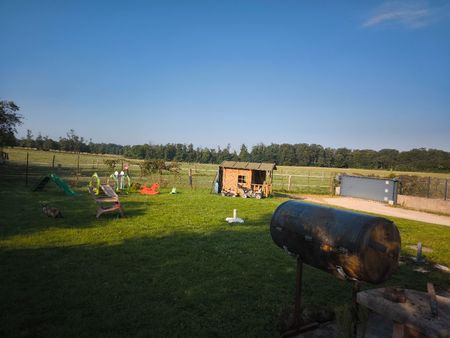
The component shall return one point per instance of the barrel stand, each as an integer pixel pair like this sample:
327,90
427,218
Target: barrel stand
298,326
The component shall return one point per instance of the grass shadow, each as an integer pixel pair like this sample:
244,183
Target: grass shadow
288,195
23,209
228,282
223,283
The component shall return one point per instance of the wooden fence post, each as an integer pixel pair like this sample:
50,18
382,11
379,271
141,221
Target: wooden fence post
190,177
428,186
446,190
26,170
289,183
53,162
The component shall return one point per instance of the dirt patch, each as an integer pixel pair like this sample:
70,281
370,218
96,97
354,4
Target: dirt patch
378,208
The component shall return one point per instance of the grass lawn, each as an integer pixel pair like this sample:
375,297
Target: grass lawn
171,267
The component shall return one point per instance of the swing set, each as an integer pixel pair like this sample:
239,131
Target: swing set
119,182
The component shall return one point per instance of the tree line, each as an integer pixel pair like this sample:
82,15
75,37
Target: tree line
301,154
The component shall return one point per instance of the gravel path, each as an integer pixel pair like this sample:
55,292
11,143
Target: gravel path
379,208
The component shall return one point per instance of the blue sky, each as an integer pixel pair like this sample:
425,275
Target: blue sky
356,74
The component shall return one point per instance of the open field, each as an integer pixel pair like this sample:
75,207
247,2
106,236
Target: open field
302,179
171,267
90,160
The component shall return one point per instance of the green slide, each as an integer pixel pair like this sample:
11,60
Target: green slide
58,181
63,185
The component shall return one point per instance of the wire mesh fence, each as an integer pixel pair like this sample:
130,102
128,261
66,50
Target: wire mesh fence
77,171
429,187
308,182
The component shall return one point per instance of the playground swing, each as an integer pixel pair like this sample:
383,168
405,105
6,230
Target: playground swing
94,184
120,182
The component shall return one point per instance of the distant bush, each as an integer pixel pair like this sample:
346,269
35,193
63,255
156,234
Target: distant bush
159,166
111,163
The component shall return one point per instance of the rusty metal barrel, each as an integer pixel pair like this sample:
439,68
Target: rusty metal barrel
347,244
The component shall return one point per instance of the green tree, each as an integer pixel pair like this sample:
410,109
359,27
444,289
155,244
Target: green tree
387,158
244,155
170,151
205,156
342,157
190,153
49,144
39,142
258,152
9,119
286,154
180,153
29,139
273,154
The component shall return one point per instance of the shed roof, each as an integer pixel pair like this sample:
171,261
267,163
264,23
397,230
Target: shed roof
248,165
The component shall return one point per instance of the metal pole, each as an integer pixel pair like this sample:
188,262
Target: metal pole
298,293
296,328
78,167
355,319
26,170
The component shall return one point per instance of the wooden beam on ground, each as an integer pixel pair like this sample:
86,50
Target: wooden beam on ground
414,314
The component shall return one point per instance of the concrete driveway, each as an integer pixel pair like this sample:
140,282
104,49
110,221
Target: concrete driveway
379,208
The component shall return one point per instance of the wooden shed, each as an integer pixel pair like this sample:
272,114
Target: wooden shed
246,179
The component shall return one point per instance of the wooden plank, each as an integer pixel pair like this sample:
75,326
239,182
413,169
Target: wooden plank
414,313
106,200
